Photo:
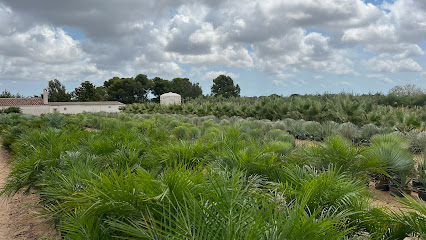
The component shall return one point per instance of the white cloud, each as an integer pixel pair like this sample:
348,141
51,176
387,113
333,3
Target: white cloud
372,34
345,83
385,63
41,44
279,83
302,51
213,74
409,16
166,37
382,78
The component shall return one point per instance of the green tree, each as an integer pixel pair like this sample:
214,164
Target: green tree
185,88
86,92
160,86
7,94
101,93
57,92
127,90
406,90
224,86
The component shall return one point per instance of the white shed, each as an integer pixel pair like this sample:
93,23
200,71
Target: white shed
170,98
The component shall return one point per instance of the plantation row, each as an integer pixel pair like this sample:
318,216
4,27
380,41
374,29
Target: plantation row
339,108
299,129
180,177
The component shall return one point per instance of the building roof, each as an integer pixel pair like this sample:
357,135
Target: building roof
170,94
85,103
12,102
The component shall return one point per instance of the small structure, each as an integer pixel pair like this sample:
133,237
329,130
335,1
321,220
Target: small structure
170,98
38,106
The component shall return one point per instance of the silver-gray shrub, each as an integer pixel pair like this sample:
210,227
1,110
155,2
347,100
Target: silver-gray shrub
349,130
314,129
367,131
329,128
296,128
417,140
279,125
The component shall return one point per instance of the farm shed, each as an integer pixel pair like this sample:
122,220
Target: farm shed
170,98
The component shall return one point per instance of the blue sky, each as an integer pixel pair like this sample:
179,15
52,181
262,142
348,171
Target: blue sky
266,46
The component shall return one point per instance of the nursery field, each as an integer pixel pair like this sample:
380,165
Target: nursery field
160,176
404,112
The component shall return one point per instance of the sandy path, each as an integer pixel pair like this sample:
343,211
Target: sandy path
18,216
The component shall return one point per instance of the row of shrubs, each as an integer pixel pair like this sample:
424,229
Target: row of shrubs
300,129
340,109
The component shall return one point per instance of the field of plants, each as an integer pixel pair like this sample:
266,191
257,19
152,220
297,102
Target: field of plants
381,110
159,176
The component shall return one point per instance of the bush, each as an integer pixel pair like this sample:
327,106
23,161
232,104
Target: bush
282,148
180,132
349,131
417,140
279,135
329,128
296,128
367,131
314,129
11,110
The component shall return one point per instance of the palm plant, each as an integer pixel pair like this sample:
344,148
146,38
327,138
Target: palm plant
392,151
413,220
343,154
406,121
233,206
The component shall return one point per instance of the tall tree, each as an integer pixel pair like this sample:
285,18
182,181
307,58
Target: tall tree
407,90
185,88
127,90
160,86
101,92
86,92
224,86
7,94
57,92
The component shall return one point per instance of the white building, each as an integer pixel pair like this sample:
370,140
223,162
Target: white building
38,106
170,98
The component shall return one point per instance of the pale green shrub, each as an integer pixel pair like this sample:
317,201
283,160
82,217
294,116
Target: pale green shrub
313,129
282,148
367,131
329,128
349,131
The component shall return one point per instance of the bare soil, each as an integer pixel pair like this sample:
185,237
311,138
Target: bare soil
19,215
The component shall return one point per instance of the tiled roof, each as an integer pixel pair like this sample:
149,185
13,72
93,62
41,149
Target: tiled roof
85,103
21,101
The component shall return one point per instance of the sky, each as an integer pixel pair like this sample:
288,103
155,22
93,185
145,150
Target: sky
267,46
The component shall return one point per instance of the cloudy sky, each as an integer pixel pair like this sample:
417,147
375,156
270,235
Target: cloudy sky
266,46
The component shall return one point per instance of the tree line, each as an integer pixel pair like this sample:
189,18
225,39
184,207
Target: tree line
137,89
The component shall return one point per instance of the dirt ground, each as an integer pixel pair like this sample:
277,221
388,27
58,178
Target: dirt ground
18,215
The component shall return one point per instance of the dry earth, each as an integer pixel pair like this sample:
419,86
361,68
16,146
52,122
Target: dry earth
19,215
